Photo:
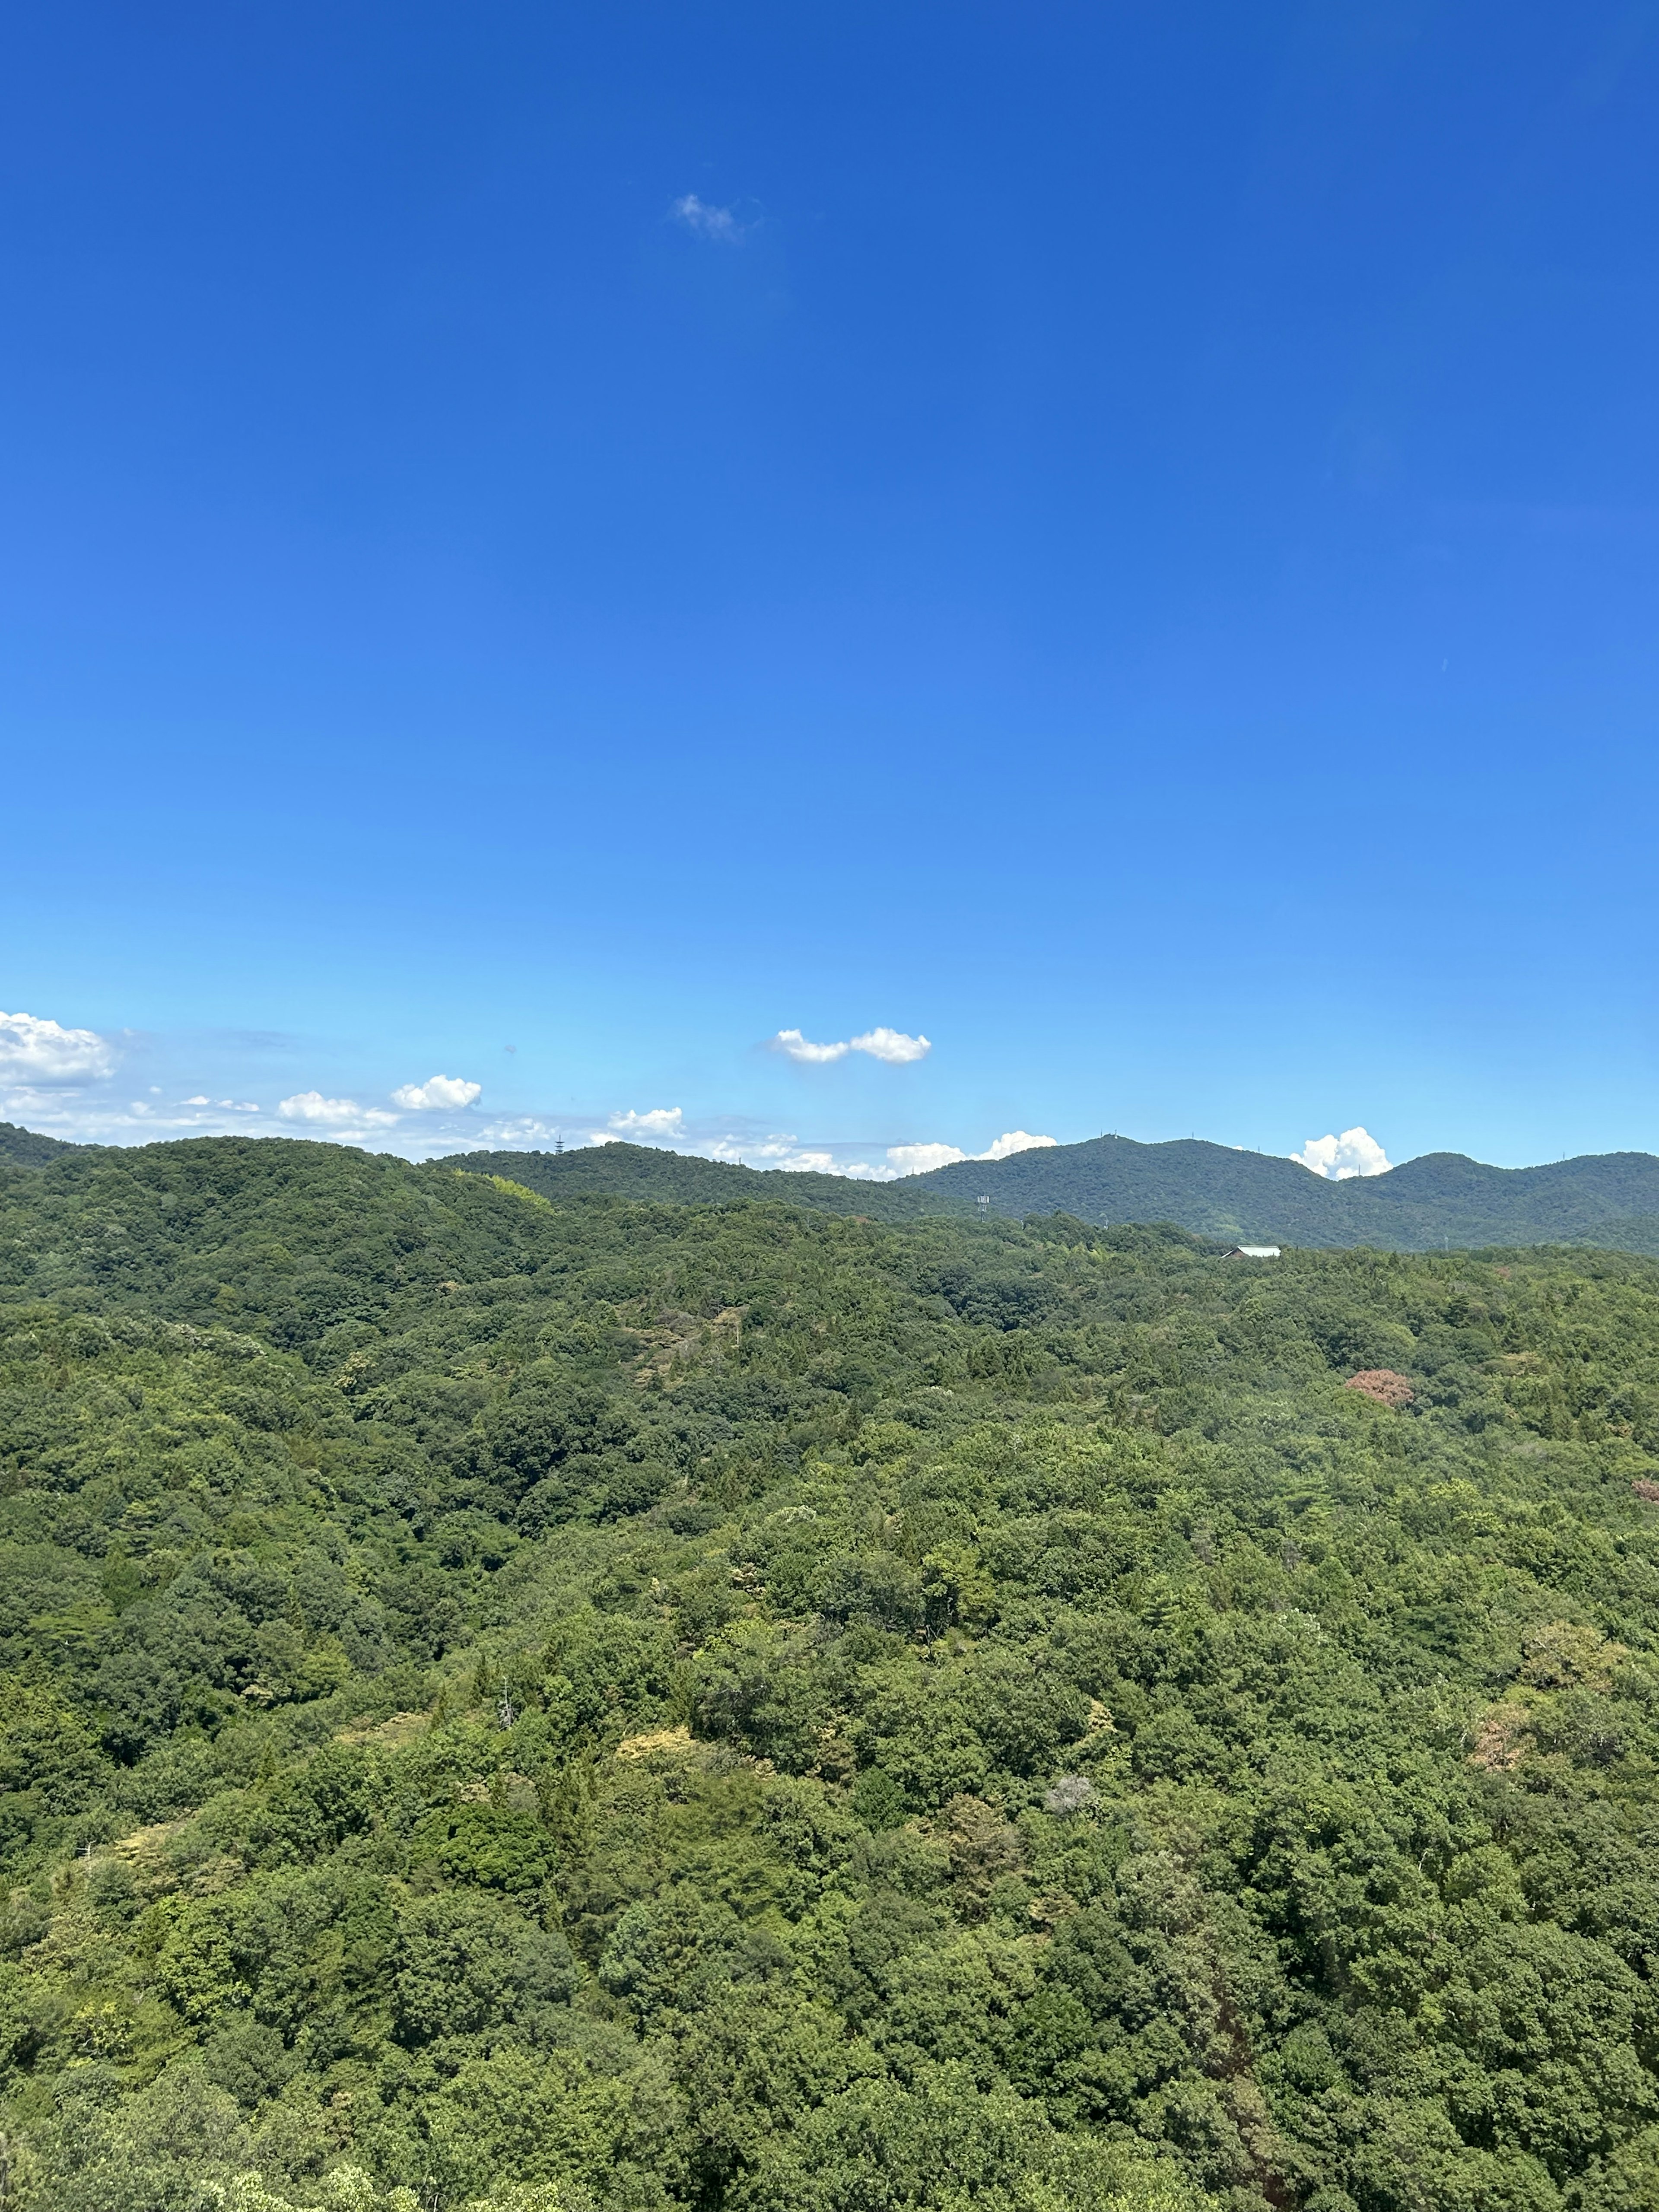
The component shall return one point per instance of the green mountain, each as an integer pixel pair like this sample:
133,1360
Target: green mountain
1610,1201
513,1704
23,1148
641,1171
1441,1199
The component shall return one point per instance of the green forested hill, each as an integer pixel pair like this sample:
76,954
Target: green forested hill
642,1171
1611,1200
605,1703
24,1148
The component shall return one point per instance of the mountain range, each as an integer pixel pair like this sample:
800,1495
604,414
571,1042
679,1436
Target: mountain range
1609,1199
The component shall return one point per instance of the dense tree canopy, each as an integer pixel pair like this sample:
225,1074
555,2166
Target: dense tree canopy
642,1705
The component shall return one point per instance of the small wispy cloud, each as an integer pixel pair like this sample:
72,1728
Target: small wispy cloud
891,1045
707,221
739,1144
1355,1152
521,1129
781,1149
437,1093
341,1114
33,1049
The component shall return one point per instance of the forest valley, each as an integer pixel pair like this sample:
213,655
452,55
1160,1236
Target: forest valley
551,1707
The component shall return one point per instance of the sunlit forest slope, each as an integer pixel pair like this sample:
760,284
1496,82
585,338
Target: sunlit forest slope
609,1703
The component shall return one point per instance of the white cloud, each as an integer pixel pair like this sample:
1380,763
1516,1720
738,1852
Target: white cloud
732,1147
1355,1152
893,1046
203,1100
1014,1140
749,1150
890,1045
33,1050
782,1150
656,1121
525,1129
332,1113
716,222
437,1092
802,1048
922,1159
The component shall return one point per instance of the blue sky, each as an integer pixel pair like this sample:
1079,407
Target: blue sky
549,545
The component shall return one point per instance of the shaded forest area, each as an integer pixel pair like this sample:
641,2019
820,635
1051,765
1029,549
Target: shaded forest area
561,1706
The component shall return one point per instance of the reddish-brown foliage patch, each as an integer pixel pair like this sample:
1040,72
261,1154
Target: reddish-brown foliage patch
1383,1384
1503,1739
1648,1490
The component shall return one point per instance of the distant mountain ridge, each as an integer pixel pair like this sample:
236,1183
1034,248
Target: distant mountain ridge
1609,1199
